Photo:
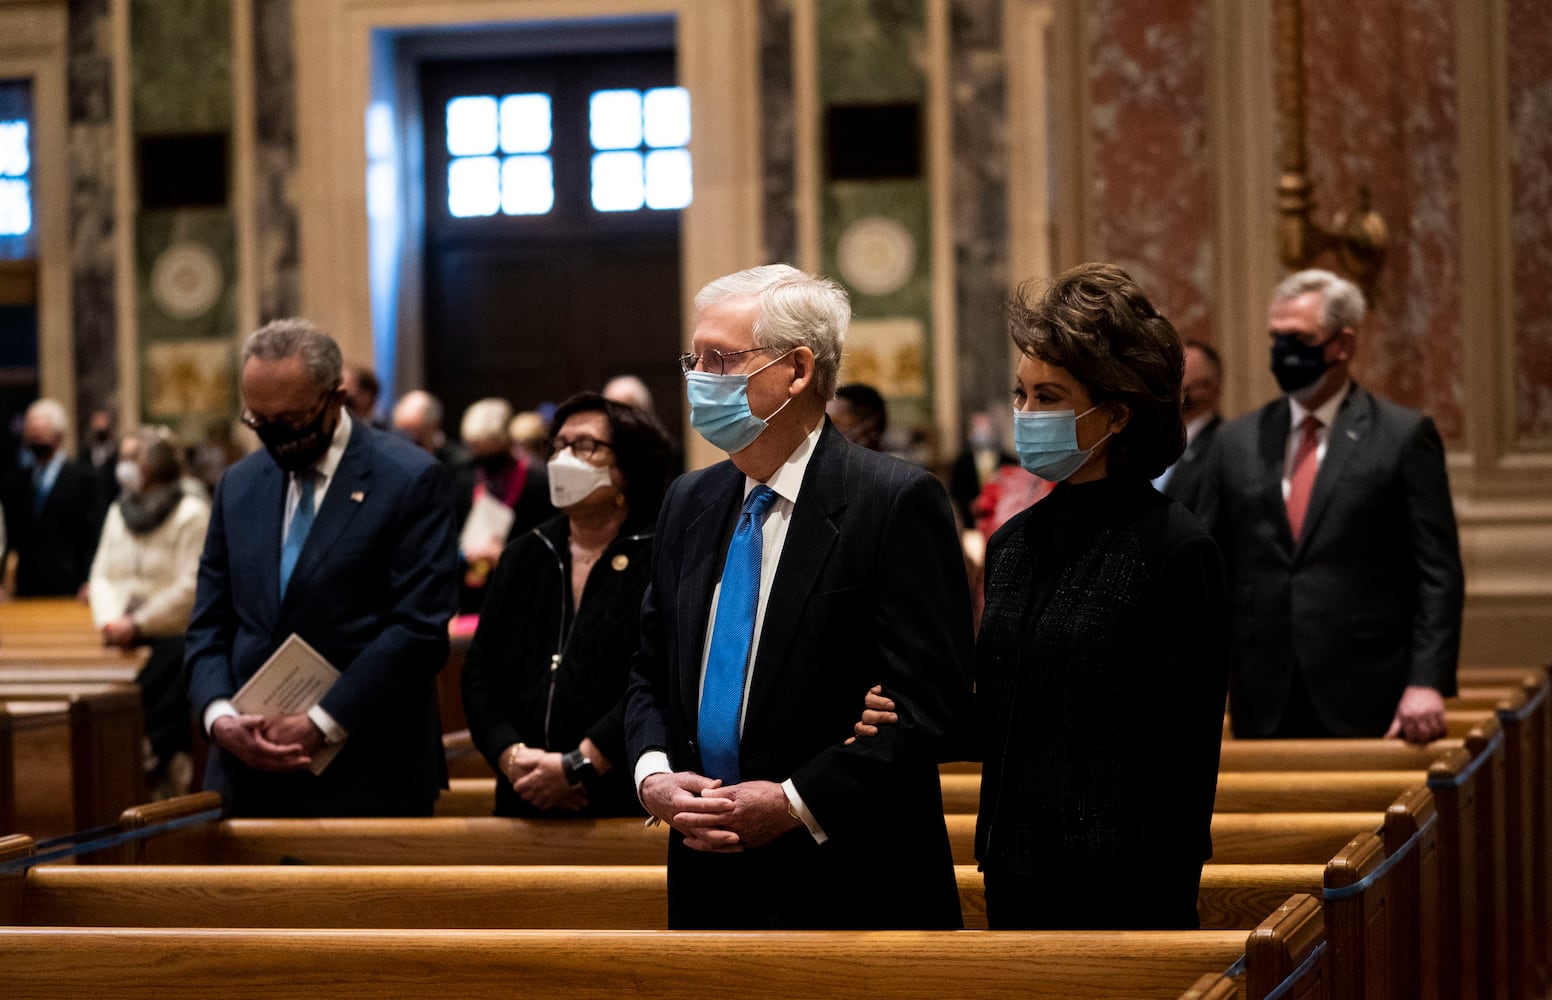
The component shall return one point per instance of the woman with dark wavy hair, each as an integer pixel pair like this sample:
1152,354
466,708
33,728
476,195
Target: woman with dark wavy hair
544,681
1101,659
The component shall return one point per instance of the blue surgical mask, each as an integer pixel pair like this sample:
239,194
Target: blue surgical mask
719,408
1047,442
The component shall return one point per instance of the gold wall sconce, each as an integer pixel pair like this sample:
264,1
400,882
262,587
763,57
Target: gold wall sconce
1357,240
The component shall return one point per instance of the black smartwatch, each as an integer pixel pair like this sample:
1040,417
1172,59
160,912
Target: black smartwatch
577,768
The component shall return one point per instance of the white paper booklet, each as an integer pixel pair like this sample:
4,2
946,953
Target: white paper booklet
489,520
292,680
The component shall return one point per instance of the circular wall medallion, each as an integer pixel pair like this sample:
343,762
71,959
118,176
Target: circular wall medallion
877,255
186,280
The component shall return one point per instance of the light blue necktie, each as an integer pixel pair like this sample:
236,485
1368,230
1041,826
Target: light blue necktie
722,695
301,521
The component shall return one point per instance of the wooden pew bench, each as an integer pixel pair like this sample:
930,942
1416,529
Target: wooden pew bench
70,755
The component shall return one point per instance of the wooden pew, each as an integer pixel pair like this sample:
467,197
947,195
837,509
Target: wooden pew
1286,951
76,763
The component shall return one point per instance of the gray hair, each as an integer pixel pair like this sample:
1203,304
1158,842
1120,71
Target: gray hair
297,338
795,310
420,404
159,454
51,413
1341,303
486,420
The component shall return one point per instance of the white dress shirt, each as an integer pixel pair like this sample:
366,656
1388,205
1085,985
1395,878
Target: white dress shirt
786,481
323,474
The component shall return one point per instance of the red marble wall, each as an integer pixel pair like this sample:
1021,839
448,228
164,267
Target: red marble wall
1382,112
1530,192
1151,193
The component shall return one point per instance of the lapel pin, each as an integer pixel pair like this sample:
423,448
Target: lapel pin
1352,434
358,496
619,562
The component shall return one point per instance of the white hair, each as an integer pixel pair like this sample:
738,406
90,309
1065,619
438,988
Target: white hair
1341,303
52,414
630,390
795,310
486,420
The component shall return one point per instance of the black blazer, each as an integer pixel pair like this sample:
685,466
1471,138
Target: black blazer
1190,470
870,589
372,591
54,548
1369,599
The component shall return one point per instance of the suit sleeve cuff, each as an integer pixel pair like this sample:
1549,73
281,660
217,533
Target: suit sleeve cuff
801,811
218,709
332,731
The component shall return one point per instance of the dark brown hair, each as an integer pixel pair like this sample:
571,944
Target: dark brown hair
1095,322
640,446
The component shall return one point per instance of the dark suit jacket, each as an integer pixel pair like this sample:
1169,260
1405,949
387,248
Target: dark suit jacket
53,549
372,591
1369,599
870,589
1190,470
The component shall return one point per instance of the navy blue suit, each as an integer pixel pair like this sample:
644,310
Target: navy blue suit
870,589
372,591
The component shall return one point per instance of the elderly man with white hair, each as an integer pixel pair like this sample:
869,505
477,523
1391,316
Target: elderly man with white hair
786,582
51,509
495,475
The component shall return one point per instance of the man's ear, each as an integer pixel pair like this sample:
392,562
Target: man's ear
1346,343
802,371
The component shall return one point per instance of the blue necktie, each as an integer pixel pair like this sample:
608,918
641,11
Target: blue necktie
301,521
722,695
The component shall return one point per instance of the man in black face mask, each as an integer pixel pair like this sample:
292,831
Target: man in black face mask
51,510
343,535
1333,512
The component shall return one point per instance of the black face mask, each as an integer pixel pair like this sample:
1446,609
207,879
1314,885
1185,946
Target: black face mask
296,448
41,452
1297,365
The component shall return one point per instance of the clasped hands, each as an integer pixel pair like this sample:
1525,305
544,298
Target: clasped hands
282,743
719,818
536,776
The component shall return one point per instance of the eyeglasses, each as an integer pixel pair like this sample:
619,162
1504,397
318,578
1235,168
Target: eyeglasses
254,422
582,447
712,362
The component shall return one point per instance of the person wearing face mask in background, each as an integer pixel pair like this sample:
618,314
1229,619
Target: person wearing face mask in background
495,474
1334,513
786,582
1102,657
544,680
142,590
343,535
1202,389
52,513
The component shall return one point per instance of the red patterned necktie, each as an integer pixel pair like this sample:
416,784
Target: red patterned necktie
1301,479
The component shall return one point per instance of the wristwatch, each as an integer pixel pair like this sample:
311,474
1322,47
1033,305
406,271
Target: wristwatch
577,768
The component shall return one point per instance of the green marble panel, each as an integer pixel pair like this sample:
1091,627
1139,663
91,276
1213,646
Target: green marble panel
181,65
871,50
186,274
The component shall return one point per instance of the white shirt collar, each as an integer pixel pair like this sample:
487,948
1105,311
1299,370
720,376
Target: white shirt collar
788,477
1325,412
1197,423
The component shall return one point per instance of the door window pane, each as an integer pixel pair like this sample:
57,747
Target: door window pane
471,126
668,178
15,161
615,119
474,186
527,185
15,207
666,114
617,182
525,123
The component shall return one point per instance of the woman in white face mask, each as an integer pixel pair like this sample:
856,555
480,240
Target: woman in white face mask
1101,659
141,590
544,681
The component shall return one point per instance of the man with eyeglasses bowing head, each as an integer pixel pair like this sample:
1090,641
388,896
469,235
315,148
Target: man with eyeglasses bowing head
787,581
343,535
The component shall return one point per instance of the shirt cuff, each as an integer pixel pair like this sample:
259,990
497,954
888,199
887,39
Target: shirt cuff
649,763
332,731
796,802
218,709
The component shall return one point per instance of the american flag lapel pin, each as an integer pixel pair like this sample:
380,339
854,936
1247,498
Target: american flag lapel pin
358,496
